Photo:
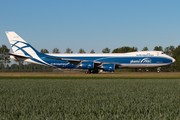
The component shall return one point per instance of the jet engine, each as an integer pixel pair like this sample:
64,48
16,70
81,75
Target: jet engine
87,65
108,67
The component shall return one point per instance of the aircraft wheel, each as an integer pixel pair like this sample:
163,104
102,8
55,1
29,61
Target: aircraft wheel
88,72
158,69
91,71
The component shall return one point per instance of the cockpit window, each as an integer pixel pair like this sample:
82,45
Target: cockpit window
163,53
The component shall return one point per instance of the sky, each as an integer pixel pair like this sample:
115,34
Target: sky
91,24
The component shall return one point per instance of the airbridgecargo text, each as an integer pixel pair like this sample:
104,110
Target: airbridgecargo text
59,63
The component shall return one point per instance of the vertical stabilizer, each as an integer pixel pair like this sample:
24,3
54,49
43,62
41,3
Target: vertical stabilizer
20,46
23,50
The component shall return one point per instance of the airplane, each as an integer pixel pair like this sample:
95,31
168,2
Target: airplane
95,62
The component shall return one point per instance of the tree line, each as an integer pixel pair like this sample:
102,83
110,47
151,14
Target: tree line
19,66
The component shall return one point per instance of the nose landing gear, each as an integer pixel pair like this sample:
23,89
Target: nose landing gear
158,69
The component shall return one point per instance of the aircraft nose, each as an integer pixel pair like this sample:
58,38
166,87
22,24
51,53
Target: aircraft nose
173,60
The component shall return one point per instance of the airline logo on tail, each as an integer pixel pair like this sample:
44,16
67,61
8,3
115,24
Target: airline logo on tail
21,47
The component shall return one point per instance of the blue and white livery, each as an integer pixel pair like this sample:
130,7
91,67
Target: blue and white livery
92,62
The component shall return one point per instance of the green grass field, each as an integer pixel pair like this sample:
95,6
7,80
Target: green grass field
89,98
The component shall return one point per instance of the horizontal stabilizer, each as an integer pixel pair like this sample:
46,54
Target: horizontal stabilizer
19,56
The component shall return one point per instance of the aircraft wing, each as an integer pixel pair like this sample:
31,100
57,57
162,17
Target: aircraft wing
76,61
71,61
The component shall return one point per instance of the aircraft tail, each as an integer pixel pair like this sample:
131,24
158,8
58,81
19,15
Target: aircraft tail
23,50
20,46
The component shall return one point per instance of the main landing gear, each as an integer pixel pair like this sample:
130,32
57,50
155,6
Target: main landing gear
91,71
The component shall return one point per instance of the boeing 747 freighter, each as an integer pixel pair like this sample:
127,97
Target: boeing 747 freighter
23,51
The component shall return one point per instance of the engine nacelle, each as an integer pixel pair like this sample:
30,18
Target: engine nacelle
87,65
108,67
